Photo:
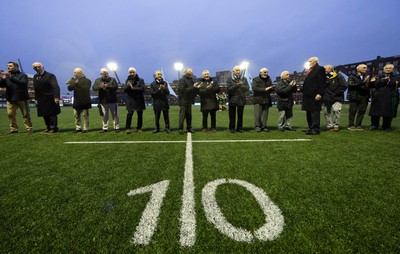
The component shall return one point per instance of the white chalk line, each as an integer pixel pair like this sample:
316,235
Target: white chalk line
182,141
188,213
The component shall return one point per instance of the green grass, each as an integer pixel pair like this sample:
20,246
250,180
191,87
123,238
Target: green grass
338,193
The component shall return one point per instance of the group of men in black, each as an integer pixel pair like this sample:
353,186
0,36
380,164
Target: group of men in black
323,88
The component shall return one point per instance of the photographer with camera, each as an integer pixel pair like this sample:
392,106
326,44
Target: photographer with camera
16,85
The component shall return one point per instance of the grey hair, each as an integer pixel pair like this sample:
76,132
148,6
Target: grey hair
283,73
360,66
187,70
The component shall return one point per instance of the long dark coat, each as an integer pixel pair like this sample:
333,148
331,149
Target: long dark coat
186,94
160,96
46,90
207,91
314,84
381,96
134,88
81,88
109,94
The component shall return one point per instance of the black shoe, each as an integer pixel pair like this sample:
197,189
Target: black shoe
312,132
167,130
306,130
181,132
12,132
265,130
191,130
290,129
84,131
373,128
232,131
240,130
76,131
156,131
103,131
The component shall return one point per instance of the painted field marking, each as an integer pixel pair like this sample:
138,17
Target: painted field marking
188,213
274,221
182,141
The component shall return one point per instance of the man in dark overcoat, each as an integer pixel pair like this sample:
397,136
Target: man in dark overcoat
186,95
134,88
236,87
47,97
313,89
159,93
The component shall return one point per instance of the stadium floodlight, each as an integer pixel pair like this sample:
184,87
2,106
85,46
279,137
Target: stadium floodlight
178,66
112,66
244,65
306,65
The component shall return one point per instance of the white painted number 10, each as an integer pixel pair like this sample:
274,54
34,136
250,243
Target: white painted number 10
271,229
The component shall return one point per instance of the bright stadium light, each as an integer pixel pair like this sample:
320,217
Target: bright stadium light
244,65
306,65
178,66
112,66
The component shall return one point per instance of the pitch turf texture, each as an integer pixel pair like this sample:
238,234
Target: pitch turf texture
332,193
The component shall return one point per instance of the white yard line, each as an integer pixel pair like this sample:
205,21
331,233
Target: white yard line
188,213
194,141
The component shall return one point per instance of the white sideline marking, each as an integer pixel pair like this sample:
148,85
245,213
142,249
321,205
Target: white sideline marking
188,214
194,141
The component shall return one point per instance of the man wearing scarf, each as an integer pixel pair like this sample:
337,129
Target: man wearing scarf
262,88
107,88
333,98
134,88
313,89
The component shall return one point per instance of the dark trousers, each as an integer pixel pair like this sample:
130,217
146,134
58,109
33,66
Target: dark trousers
157,114
232,117
185,112
213,118
313,120
386,122
51,122
139,120
357,111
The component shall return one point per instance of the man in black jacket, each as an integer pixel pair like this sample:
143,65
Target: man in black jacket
186,95
262,88
47,97
134,88
358,95
313,89
159,93
82,101
16,85
237,87
333,98
107,88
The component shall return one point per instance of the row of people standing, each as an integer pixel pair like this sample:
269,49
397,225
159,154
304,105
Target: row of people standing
323,88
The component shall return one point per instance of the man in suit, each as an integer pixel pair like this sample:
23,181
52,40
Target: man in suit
47,97
313,89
